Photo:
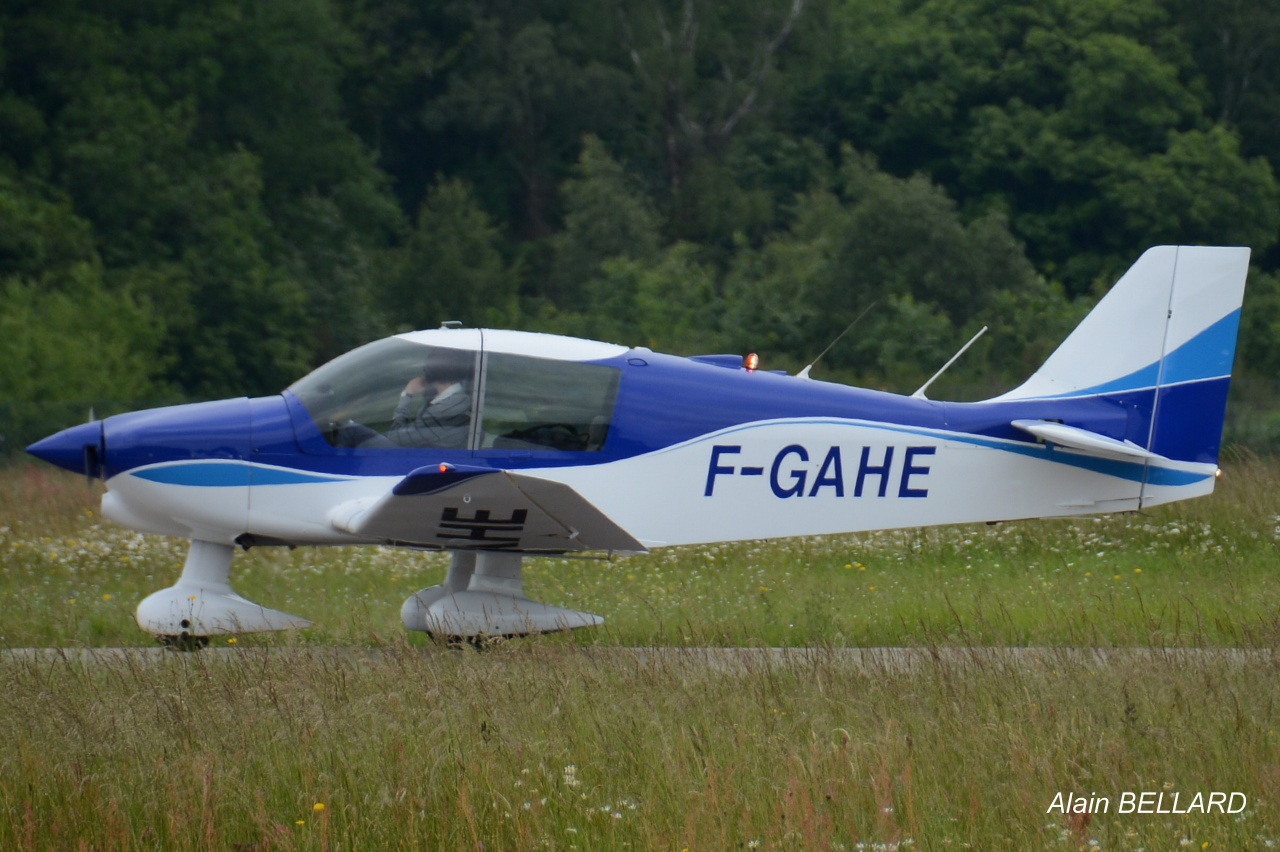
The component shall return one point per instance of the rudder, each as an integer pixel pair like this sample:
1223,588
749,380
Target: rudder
1199,351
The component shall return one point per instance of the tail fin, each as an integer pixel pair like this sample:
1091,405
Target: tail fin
1162,342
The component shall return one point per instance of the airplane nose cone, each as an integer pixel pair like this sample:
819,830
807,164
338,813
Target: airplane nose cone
67,449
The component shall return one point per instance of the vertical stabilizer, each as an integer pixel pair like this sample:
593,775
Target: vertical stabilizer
1162,343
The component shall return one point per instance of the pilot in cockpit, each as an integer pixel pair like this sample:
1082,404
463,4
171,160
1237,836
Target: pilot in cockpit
435,408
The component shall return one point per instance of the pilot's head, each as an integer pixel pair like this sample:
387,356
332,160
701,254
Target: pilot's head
448,366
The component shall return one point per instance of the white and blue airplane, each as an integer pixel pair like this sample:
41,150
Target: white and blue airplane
499,445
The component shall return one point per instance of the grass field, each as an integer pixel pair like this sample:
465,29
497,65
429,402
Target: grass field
574,742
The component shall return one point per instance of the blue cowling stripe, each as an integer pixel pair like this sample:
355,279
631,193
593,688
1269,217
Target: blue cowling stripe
228,475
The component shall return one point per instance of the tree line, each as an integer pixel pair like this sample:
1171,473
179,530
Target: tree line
203,198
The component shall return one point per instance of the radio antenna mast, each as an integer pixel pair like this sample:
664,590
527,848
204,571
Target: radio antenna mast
920,393
804,374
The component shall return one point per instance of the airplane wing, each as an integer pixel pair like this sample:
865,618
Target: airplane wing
1090,443
464,508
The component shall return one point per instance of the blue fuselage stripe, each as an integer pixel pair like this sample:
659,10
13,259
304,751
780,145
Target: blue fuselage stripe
227,475
1131,471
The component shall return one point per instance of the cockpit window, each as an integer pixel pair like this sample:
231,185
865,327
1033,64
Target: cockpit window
395,394
392,394
539,403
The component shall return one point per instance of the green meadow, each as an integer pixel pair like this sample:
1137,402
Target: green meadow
355,735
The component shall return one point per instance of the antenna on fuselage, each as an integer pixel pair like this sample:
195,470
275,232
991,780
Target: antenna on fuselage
804,374
919,394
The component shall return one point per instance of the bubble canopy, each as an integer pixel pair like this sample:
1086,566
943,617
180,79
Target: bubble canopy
503,400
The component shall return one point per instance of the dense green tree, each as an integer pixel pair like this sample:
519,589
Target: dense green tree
452,268
607,214
1042,110
1236,44
332,215
709,76
396,59
205,146
77,341
705,69
526,83
41,233
64,335
1258,353
669,88
666,302
1199,186
246,330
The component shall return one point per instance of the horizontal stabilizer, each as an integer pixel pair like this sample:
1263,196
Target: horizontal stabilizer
1085,441
454,508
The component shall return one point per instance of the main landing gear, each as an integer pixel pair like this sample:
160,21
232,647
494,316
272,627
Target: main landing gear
482,598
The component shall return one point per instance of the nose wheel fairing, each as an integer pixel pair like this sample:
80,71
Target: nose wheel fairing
203,604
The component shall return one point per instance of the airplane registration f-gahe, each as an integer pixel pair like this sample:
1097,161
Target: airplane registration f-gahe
499,445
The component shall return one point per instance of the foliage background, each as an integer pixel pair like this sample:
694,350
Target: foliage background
203,198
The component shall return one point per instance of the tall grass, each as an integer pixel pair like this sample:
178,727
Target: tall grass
564,747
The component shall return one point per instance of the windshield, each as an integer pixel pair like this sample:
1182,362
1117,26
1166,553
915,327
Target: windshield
391,394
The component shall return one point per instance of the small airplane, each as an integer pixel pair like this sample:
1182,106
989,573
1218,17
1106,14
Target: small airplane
501,445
